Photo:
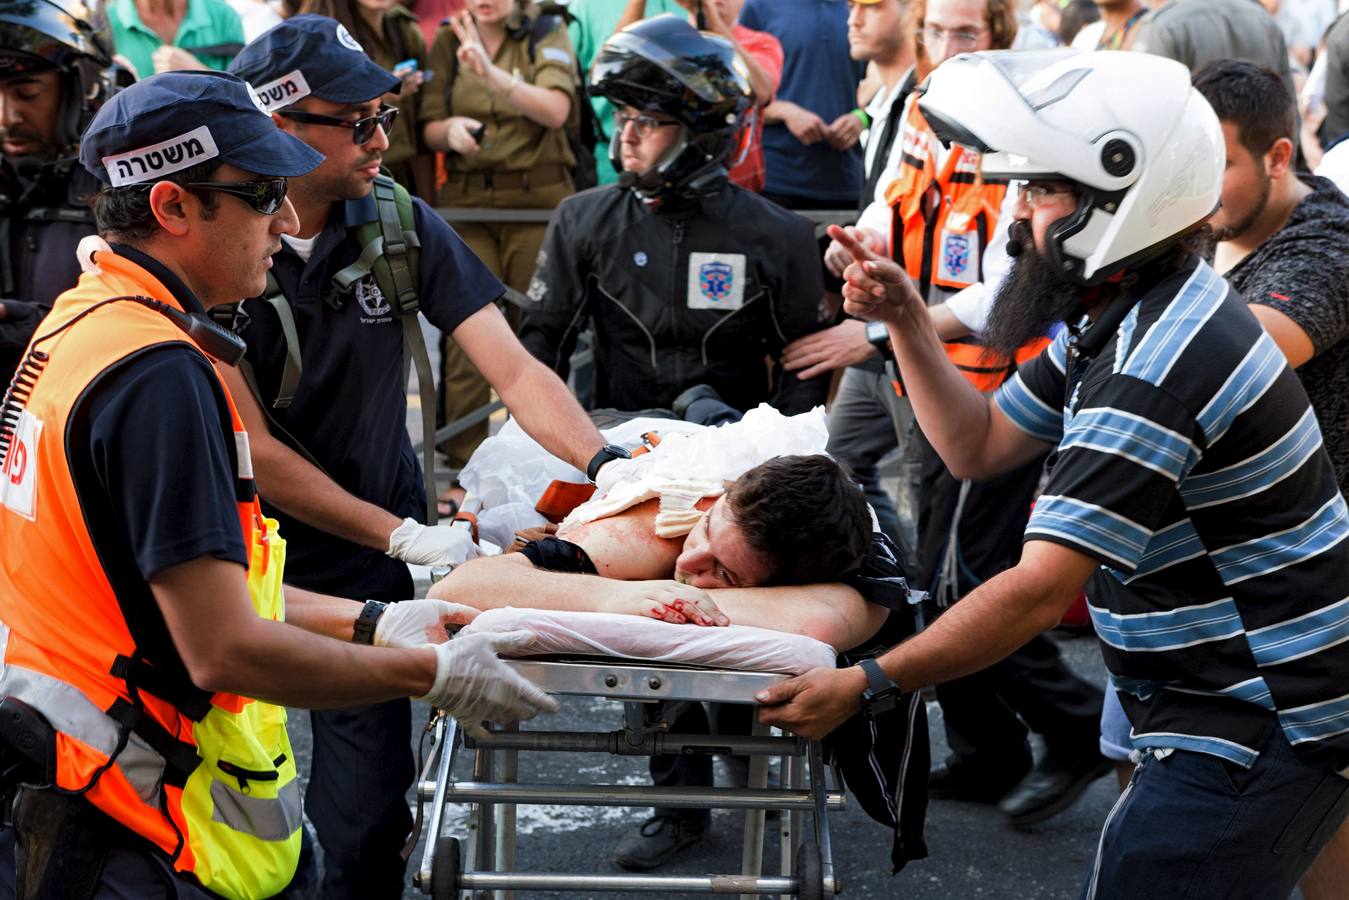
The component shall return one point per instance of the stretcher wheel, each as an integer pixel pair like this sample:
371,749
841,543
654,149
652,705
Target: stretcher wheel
809,872
445,869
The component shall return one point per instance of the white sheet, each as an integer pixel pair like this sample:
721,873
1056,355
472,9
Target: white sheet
635,637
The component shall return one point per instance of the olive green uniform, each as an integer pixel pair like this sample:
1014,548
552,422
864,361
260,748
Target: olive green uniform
401,39
522,165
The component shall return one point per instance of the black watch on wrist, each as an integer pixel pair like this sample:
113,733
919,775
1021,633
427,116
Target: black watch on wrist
878,336
606,453
364,631
882,694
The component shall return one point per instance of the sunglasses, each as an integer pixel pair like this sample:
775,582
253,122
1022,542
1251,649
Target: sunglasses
362,130
265,196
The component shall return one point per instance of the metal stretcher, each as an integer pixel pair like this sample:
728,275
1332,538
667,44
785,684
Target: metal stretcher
485,860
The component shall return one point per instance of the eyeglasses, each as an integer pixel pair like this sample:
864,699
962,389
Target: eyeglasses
1036,195
265,196
645,125
362,130
959,38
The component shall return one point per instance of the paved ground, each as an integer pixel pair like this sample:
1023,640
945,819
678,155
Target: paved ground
973,854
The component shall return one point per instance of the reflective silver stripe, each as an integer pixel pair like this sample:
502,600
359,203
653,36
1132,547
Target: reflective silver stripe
264,819
72,713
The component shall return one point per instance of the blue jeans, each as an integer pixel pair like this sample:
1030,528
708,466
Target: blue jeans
1191,825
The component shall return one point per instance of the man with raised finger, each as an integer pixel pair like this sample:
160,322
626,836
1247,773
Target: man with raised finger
1189,482
935,215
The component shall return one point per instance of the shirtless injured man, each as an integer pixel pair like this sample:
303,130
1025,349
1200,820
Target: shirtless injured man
789,545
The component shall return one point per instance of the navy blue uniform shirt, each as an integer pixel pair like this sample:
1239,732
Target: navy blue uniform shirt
350,408
154,469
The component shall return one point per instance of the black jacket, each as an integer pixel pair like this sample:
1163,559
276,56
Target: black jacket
41,223
709,293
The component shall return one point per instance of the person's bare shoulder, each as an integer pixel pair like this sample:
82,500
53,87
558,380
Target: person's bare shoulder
625,546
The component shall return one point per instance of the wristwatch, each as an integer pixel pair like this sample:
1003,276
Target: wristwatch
882,694
607,453
364,631
878,336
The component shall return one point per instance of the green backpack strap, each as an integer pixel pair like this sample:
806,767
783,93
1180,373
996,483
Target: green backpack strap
391,251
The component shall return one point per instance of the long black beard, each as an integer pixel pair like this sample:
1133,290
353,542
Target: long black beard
1030,300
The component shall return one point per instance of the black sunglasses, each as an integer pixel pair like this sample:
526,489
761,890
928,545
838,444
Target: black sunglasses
362,130
265,196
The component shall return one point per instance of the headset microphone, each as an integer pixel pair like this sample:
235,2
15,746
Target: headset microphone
218,342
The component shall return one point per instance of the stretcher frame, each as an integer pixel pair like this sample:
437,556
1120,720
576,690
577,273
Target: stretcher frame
485,861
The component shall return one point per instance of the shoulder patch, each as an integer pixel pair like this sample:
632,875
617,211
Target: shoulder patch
556,54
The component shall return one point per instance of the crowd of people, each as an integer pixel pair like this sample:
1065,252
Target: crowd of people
1092,285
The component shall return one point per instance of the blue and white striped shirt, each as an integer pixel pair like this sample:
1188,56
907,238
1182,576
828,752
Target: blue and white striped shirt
1191,465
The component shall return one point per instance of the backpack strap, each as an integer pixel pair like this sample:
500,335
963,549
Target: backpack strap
390,250
294,366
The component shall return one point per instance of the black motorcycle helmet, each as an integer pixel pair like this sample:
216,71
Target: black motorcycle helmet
665,65
65,36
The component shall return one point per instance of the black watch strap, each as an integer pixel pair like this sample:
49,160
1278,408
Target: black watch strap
876,677
606,453
878,336
881,694
364,631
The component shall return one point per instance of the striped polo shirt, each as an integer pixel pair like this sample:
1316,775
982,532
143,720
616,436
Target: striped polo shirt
1190,464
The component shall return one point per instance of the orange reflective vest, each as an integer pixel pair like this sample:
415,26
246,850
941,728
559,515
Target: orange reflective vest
941,220
208,779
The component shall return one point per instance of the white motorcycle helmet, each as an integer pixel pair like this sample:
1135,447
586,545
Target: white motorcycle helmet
1143,147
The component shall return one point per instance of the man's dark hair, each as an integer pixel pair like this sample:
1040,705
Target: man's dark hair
1253,98
125,211
805,515
1074,16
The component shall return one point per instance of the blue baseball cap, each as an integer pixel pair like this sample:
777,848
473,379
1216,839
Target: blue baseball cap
311,55
177,120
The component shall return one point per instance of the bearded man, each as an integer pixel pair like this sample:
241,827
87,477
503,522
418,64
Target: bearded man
1188,482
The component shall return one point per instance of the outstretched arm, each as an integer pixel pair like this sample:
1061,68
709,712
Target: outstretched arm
969,432
832,613
532,392
293,484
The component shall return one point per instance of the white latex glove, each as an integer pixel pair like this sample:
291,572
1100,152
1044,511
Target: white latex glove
416,623
431,545
474,685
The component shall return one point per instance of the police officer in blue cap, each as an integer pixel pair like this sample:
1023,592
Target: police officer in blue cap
140,587
334,461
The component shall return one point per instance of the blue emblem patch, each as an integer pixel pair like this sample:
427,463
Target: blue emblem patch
956,254
715,280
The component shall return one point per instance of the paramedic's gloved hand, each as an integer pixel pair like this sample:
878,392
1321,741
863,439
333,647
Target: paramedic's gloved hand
431,545
474,685
814,704
415,623
668,601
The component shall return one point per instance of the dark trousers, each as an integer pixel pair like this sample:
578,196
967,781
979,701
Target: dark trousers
1196,826
68,850
363,767
695,769
986,714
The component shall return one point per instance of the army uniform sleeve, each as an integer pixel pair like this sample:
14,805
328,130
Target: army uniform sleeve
555,62
433,99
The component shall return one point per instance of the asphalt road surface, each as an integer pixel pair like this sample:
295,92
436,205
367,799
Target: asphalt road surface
973,853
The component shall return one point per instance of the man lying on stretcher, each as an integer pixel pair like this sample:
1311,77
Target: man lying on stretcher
789,546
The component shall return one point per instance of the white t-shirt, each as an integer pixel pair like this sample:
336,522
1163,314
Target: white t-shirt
303,247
